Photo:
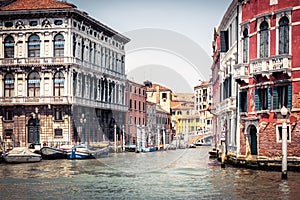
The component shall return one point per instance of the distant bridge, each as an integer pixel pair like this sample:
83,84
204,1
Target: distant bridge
203,138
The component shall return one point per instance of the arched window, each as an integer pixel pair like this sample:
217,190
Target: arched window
33,84
264,40
9,44
59,44
9,85
59,81
284,35
245,45
34,46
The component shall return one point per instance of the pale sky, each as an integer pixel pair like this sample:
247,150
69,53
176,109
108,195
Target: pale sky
170,39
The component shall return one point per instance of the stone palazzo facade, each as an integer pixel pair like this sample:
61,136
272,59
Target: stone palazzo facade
62,75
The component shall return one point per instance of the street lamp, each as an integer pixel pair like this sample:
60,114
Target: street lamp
284,112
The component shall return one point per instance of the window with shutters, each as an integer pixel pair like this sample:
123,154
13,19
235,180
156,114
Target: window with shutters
284,35
224,41
245,45
282,96
264,40
243,101
263,99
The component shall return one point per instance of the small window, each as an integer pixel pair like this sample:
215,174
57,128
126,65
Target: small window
58,115
33,23
58,22
8,24
8,114
279,133
58,132
75,24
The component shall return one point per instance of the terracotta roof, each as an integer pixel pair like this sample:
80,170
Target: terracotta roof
36,5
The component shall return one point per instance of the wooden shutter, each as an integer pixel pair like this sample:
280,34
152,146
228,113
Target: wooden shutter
275,97
269,98
257,100
224,41
290,96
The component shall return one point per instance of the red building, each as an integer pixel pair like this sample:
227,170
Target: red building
268,75
136,115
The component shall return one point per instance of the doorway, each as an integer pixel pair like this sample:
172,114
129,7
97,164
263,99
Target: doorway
33,131
253,140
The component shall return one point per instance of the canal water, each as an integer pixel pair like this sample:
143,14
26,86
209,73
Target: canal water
175,174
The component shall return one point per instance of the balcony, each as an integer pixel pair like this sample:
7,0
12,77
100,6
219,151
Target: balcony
8,62
226,105
271,65
241,73
9,101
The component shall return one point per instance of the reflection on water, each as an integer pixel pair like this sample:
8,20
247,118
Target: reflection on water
180,174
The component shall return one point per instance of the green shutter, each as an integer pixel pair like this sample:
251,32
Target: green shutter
290,96
275,98
240,102
257,100
269,98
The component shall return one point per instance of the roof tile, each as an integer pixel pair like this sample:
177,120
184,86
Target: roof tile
36,5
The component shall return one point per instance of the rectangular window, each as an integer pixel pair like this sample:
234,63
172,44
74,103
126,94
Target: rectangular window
282,96
224,41
9,114
58,115
58,132
243,101
164,95
263,99
279,133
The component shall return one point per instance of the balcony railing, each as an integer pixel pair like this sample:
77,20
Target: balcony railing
266,66
241,72
6,62
35,100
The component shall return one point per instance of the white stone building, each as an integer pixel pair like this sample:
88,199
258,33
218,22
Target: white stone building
62,75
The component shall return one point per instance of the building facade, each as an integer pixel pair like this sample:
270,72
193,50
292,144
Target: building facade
225,57
203,99
62,75
136,110
268,77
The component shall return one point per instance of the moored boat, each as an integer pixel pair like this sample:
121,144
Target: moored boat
87,152
50,153
21,155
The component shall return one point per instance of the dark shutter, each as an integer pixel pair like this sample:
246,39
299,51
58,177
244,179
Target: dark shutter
269,98
257,100
224,41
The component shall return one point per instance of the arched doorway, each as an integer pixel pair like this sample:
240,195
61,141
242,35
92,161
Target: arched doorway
33,131
253,140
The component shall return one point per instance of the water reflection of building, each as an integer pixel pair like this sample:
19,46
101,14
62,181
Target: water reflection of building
62,74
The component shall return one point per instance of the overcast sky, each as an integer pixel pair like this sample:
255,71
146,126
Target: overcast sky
186,23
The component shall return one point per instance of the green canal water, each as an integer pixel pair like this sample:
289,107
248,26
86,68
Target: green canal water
177,174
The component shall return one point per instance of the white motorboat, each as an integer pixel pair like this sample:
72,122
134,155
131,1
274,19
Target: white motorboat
21,155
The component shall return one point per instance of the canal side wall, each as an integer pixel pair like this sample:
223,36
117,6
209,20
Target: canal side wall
258,163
